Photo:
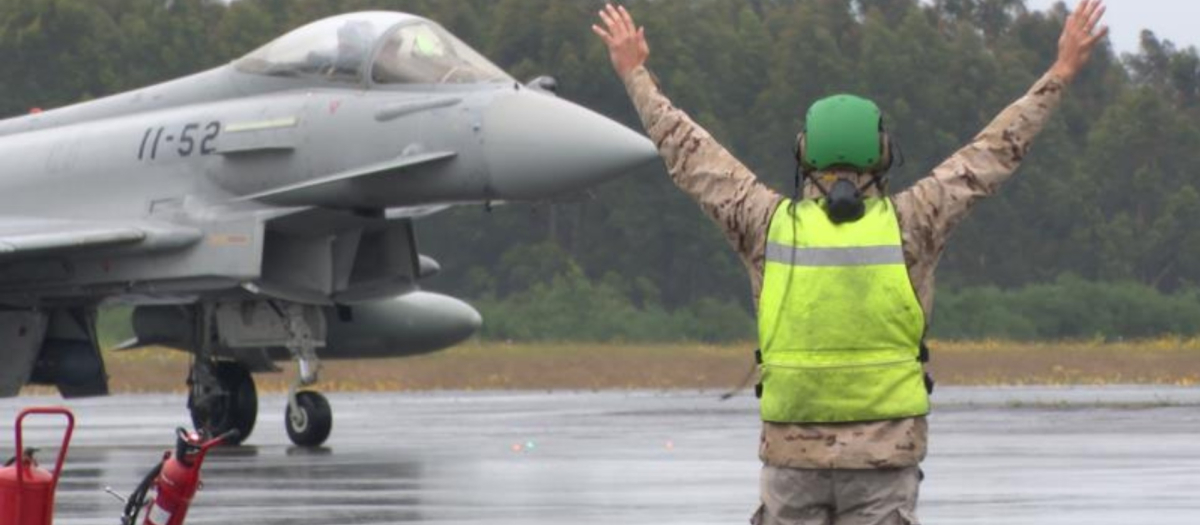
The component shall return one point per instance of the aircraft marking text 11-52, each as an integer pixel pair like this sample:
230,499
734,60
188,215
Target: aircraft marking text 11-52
188,137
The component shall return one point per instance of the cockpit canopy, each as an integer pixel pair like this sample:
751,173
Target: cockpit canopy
398,48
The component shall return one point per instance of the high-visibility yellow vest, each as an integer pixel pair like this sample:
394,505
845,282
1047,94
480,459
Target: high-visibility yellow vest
839,325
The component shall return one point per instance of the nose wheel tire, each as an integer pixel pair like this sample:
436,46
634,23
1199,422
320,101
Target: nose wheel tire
236,409
309,426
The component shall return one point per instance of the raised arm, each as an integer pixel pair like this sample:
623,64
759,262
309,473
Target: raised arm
936,204
724,188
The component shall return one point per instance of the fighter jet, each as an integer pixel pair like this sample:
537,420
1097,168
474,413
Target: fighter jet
263,210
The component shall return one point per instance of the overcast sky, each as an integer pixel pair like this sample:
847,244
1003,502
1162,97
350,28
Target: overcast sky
1174,20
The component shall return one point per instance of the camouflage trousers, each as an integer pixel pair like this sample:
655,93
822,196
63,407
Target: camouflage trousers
838,497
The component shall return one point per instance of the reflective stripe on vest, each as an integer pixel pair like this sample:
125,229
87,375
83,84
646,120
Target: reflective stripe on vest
839,323
857,256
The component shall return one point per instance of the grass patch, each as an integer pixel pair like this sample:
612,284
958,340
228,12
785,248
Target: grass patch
592,366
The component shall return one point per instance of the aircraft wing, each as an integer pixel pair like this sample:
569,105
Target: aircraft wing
29,236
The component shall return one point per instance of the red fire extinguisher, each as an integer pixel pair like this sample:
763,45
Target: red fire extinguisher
174,480
26,491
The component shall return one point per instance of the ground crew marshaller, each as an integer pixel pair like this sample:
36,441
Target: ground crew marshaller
842,277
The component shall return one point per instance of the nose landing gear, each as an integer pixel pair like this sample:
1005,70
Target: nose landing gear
309,419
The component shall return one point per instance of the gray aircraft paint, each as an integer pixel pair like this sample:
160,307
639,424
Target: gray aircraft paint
232,185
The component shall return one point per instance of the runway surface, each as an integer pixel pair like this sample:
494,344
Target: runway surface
998,456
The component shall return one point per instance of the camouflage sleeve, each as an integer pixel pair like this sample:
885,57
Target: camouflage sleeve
724,188
931,209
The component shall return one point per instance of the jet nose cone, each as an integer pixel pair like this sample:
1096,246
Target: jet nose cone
538,145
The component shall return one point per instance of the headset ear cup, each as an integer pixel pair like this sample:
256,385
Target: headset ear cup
885,162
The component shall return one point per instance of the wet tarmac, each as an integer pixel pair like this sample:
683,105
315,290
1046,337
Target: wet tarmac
999,456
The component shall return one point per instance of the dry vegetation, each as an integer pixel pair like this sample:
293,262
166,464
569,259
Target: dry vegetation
1161,362
573,366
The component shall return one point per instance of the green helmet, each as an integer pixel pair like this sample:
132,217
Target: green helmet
843,130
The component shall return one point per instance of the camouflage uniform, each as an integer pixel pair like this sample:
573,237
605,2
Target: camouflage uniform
808,459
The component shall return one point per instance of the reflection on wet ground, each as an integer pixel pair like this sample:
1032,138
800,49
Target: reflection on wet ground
998,456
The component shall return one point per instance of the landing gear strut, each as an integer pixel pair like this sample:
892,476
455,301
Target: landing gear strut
221,394
308,418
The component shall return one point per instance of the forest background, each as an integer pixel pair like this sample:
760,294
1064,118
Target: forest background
1095,238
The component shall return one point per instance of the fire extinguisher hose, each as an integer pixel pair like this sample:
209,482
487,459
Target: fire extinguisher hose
137,499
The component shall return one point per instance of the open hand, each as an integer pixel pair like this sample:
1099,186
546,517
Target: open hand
1078,38
626,42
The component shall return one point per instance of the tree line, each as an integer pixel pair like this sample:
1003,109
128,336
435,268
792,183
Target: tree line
1105,206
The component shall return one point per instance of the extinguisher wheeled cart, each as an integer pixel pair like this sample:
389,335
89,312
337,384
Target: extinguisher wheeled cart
27,491
175,481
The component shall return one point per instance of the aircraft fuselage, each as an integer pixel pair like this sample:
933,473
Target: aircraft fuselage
265,209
